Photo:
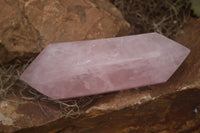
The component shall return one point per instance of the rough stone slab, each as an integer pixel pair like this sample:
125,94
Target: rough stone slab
168,108
28,26
73,69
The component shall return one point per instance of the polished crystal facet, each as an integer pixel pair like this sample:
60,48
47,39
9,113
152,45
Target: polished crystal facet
72,69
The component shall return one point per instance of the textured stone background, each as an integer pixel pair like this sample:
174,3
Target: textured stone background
28,26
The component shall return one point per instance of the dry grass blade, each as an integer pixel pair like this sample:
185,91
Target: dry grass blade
163,16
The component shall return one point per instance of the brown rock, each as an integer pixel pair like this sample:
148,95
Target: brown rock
17,35
28,26
173,107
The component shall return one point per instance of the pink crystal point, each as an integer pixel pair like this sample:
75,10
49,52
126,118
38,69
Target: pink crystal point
72,69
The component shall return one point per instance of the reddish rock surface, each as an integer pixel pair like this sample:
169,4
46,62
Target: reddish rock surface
26,27
170,107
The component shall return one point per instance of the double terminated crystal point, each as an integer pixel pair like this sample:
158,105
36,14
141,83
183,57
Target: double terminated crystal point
72,69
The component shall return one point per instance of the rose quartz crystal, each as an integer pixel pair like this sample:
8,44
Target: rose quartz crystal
73,69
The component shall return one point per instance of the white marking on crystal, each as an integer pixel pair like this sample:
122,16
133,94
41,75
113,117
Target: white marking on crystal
83,63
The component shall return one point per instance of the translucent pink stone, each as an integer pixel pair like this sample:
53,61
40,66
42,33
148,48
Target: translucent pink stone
72,69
